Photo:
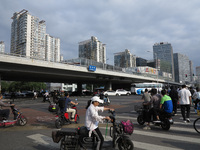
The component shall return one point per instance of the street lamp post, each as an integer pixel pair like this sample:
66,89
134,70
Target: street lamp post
156,58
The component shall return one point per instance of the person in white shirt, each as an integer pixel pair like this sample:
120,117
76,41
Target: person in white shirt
92,119
185,103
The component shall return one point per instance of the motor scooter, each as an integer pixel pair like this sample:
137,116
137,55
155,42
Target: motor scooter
46,98
106,100
77,139
19,119
63,118
165,118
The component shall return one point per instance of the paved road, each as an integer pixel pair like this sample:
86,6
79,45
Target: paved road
37,134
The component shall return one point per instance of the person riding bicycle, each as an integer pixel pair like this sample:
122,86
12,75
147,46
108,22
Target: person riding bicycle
92,119
4,112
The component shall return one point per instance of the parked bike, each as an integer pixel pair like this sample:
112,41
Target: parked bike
19,119
77,139
165,121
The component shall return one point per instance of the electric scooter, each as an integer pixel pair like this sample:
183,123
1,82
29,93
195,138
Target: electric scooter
19,119
165,121
77,139
64,118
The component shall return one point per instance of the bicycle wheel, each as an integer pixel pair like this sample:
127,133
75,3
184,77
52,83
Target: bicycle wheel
196,125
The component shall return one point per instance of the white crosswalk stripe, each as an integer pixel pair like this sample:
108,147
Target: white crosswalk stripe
168,136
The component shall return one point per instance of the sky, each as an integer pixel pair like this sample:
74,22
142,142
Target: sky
120,24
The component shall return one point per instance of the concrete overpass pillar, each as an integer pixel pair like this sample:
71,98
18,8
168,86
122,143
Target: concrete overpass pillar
79,88
109,85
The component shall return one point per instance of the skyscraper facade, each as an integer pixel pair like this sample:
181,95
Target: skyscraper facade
124,59
52,48
28,36
93,49
164,52
182,67
2,47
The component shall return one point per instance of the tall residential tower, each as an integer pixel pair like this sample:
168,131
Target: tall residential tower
93,49
28,37
2,47
124,59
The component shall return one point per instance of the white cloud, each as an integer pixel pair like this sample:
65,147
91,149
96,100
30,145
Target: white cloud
120,24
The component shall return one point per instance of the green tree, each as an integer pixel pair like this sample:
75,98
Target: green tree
22,86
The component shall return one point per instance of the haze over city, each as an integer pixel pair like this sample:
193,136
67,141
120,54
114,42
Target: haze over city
131,24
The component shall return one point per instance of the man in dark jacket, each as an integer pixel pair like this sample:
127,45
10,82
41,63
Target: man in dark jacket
174,96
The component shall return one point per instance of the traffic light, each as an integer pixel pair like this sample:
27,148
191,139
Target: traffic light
186,75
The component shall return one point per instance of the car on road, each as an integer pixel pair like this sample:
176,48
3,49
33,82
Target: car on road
111,93
123,92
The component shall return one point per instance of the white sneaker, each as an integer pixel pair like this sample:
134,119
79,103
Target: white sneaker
184,121
157,121
188,120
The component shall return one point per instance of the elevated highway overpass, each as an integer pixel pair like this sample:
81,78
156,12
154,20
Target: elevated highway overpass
15,68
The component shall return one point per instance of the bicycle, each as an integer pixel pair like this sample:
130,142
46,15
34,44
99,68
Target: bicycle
196,125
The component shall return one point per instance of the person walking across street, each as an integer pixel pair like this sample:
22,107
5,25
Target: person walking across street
196,97
185,103
174,96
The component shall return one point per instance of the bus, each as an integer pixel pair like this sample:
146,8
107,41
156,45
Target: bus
138,88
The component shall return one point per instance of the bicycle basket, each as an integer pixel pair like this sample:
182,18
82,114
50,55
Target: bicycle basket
128,127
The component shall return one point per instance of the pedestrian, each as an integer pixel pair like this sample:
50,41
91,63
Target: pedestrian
196,97
185,103
192,91
35,95
174,96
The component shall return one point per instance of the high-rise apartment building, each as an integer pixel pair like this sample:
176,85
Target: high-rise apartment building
93,49
52,48
124,59
28,37
2,47
182,67
164,52
198,71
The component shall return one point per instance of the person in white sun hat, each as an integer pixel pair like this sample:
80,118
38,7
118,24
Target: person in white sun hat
92,119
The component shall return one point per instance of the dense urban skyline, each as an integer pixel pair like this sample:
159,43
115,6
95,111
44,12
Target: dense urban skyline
133,24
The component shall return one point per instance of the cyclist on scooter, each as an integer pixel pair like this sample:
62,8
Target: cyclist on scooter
92,119
166,104
155,102
4,112
68,108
